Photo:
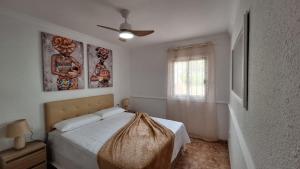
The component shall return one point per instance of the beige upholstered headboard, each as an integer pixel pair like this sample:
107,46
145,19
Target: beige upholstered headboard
61,110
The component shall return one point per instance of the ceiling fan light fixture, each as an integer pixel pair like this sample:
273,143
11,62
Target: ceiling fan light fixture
125,32
126,35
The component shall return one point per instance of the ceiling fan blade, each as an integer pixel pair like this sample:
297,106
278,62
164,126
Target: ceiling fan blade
105,27
123,40
142,33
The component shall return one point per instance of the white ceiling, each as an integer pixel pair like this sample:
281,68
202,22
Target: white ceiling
171,19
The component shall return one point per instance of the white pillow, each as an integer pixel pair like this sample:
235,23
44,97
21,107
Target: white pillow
76,122
109,112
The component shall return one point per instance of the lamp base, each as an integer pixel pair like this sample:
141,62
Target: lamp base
19,142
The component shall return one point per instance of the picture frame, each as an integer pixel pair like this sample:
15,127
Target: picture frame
246,58
240,63
100,66
63,63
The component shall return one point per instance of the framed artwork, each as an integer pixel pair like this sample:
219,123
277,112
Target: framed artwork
62,63
240,63
100,66
246,58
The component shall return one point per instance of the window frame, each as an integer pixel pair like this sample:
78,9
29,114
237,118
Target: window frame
188,95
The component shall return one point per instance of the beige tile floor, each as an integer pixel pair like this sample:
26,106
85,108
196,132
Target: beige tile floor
204,155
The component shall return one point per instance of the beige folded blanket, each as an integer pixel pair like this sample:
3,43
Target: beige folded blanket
141,144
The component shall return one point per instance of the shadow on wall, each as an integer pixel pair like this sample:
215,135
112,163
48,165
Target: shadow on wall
40,133
4,141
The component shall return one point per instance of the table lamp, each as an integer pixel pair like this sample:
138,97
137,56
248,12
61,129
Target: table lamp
17,130
125,103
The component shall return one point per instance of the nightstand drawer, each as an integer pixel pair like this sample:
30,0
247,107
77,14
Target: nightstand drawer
27,161
40,166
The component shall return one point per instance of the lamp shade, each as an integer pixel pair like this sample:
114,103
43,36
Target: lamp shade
17,128
125,103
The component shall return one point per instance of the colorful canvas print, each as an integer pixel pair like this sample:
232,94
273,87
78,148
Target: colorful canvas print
100,66
62,63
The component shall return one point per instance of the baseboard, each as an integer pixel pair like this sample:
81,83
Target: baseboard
245,150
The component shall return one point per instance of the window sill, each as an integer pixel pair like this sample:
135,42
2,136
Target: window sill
192,99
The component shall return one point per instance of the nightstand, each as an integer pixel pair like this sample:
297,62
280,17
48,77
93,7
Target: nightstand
33,156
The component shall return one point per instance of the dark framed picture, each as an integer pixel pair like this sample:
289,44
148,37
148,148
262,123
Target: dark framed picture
246,58
240,63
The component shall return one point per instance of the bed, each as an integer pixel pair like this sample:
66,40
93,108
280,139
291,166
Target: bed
77,149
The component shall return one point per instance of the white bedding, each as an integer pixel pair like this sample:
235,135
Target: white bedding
77,149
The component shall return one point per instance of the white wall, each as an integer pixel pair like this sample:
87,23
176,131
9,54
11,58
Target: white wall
149,77
271,126
21,94
237,160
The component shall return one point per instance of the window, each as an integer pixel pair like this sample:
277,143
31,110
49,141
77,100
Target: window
190,78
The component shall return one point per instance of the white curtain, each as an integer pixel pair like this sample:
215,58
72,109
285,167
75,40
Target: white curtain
197,113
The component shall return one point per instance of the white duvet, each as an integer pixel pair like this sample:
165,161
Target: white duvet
78,148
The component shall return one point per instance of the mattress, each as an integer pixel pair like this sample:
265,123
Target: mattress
78,148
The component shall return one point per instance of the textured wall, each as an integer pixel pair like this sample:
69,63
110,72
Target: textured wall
271,126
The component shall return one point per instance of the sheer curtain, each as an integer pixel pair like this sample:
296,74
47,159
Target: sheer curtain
191,89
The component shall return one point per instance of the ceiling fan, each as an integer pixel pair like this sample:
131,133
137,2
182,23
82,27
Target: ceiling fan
125,31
